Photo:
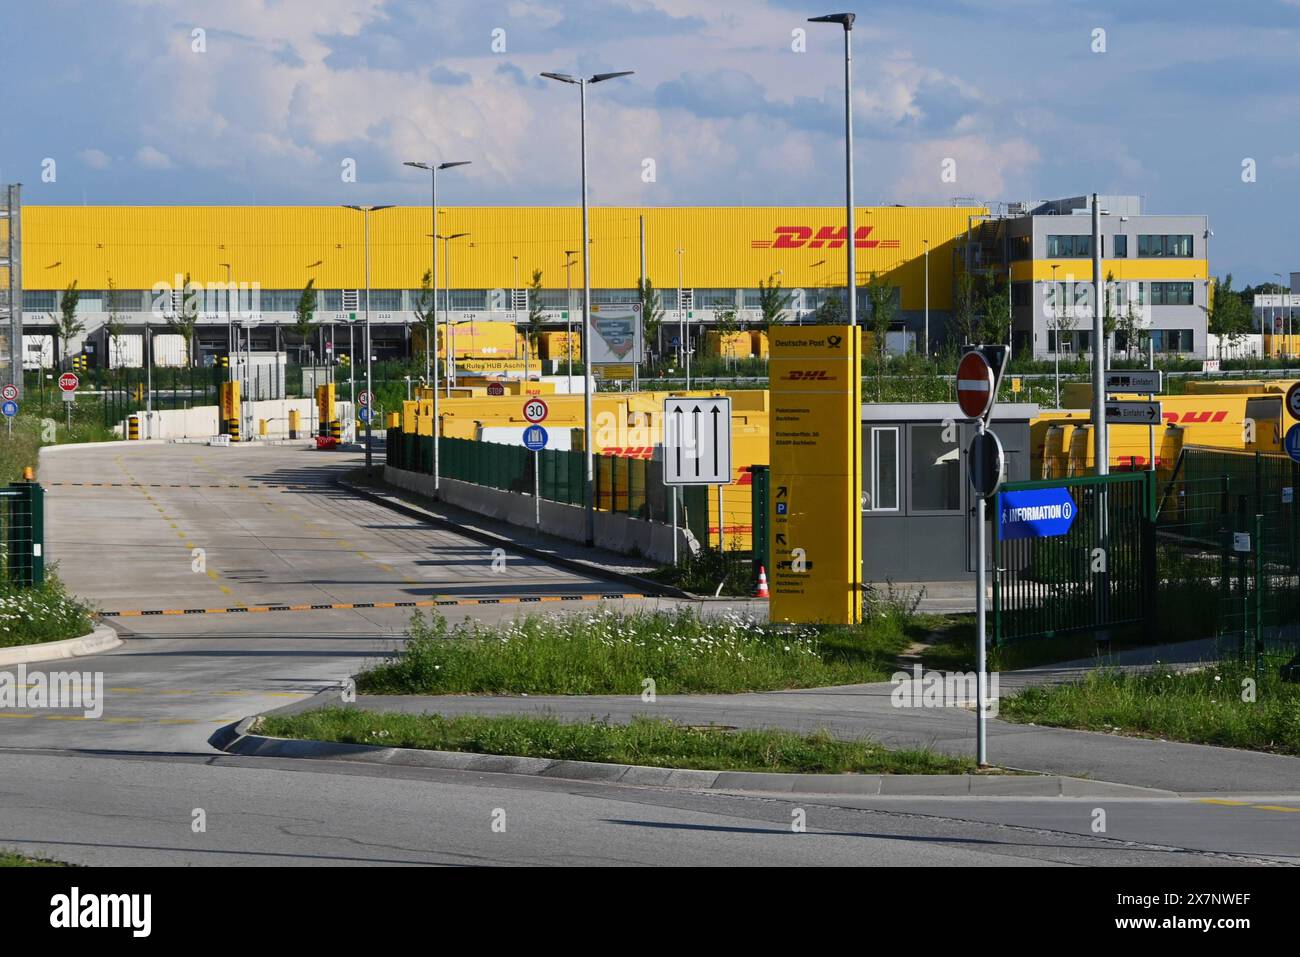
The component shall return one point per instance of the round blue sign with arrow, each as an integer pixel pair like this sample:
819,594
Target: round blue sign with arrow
1291,444
535,438
9,408
363,414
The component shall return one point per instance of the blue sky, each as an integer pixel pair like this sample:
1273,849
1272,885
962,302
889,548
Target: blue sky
286,90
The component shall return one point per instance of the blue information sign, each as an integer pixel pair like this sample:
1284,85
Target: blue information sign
9,408
535,438
1292,443
363,414
1040,513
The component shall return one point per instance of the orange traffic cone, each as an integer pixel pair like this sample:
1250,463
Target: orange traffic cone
762,583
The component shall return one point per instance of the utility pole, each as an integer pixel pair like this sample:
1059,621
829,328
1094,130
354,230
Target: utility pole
1100,447
14,262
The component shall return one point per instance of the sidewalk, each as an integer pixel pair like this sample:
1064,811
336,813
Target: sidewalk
853,711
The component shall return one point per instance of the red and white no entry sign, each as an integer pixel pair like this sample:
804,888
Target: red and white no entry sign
974,385
535,410
68,382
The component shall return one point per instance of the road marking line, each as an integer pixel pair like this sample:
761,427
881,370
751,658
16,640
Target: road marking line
357,605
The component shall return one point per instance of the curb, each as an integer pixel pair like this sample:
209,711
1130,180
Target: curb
101,639
118,443
238,739
491,538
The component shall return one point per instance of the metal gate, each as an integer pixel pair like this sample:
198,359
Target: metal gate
1098,577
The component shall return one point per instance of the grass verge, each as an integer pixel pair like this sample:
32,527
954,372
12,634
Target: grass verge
1202,707
18,860
31,616
609,652
661,744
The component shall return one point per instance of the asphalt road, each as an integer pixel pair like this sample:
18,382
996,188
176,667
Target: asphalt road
125,789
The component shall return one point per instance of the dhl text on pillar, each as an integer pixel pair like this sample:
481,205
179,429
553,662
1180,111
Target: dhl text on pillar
816,474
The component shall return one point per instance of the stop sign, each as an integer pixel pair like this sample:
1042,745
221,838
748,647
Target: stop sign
68,382
496,388
974,385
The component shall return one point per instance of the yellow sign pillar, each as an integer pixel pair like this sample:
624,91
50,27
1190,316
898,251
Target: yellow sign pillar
815,375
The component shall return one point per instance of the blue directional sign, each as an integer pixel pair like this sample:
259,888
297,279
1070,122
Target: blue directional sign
9,408
1040,513
364,414
535,438
1291,444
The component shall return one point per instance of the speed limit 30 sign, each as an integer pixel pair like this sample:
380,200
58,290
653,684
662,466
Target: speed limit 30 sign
535,410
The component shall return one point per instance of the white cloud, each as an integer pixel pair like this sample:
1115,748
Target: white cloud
95,159
153,158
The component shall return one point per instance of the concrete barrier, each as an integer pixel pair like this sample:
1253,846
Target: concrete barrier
616,533
201,422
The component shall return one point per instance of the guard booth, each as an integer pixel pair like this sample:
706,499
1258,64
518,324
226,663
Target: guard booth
918,519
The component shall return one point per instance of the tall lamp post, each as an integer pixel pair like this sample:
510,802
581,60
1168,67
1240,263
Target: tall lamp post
682,332
431,366
448,330
588,497
1286,312
927,297
365,212
1056,333
568,313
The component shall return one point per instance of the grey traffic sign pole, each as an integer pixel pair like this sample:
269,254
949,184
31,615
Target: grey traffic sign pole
981,615
674,500
537,490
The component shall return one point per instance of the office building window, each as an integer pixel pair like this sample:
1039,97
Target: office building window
1171,294
1173,340
883,495
39,300
936,470
1165,247
718,298
1069,247
1120,244
611,297
383,300
471,300
1020,248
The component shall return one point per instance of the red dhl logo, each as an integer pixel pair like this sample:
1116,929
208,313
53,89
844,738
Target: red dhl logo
629,452
826,237
1206,417
809,375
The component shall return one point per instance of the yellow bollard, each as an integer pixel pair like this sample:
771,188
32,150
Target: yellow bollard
293,423
133,427
261,427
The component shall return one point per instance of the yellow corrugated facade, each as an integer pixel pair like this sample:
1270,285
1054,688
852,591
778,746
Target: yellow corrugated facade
282,247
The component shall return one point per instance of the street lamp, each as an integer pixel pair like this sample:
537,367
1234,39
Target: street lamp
1056,333
927,297
846,21
430,366
683,333
568,313
1286,312
446,307
581,83
370,409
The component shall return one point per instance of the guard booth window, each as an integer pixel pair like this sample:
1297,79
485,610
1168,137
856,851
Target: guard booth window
936,470
884,470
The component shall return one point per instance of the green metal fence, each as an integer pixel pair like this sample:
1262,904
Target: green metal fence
22,512
1098,577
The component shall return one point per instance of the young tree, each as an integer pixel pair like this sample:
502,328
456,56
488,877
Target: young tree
652,314
1109,321
996,325
1230,316
534,331
185,320
831,311
773,301
69,326
426,319
1129,324
114,327
880,300
726,323
965,320
304,314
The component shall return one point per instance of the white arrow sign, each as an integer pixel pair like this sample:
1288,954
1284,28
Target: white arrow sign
1133,413
697,441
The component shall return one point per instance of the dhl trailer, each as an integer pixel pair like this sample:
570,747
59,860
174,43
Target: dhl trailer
1061,441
